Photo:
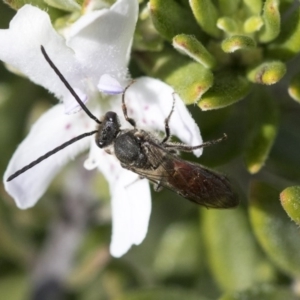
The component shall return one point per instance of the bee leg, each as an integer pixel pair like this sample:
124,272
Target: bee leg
124,107
167,120
186,148
134,181
174,151
157,187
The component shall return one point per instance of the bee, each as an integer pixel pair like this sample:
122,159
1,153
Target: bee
144,154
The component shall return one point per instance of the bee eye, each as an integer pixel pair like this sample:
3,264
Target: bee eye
108,130
111,116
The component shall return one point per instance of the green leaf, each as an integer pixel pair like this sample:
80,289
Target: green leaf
254,6
228,88
167,17
215,122
263,127
53,12
228,7
189,79
294,88
67,5
237,42
222,58
262,292
228,25
146,37
287,45
206,15
233,255
190,46
290,201
278,236
271,18
267,73
253,24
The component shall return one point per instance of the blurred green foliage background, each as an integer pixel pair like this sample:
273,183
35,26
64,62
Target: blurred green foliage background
233,50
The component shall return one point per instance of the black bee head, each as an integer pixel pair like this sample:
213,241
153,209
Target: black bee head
108,130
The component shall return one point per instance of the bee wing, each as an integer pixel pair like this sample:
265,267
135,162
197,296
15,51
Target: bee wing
190,180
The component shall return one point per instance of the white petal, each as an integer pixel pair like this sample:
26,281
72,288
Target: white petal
131,207
131,204
149,101
51,130
71,105
96,157
20,47
102,39
109,85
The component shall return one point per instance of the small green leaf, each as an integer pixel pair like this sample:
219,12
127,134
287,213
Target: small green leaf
263,127
253,24
206,15
228,7
67,5
214,122
262,292
228,25
237,42
53,12
294,88
287,45
290,201
190,46
276,233
167,16
232,250
271,18
146,37
254,6
189,79
267,73
222,58
228,88
17,4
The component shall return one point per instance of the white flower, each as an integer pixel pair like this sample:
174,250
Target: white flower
96,46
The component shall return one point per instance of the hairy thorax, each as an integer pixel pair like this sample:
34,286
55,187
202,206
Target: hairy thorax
129,150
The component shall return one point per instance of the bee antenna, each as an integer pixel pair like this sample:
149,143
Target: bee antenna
50,153
68,86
